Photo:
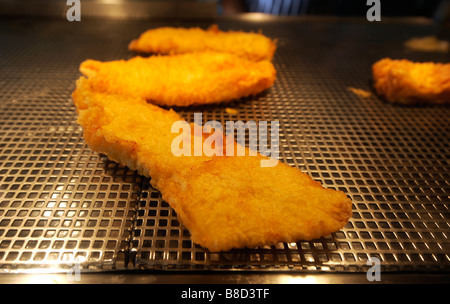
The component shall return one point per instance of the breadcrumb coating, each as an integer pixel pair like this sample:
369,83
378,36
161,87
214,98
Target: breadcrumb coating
181,80
406,82
224,201
170,40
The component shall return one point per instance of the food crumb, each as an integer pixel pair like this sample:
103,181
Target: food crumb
231,111
360,92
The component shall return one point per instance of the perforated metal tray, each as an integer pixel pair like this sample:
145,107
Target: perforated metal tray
61,203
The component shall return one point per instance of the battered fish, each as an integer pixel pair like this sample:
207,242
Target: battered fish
224,201
406,82
181,80
169,40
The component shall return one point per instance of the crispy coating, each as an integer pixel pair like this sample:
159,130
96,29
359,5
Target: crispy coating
224,201
170,40
406,82
181,80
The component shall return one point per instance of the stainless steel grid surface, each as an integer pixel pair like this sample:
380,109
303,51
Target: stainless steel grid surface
62,204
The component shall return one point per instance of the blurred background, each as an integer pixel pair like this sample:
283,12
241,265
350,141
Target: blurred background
425,8
213,8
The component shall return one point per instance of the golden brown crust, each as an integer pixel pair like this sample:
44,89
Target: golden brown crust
224,201
181,80
170,40
406,82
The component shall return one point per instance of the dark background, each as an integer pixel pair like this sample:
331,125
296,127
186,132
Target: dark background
425,8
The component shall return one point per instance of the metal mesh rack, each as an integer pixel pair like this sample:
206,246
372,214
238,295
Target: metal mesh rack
62,203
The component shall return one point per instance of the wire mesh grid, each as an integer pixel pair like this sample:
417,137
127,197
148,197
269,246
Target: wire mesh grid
61,203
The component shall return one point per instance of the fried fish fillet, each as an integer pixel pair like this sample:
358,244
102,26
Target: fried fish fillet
406,82
224,201
170,40
181,80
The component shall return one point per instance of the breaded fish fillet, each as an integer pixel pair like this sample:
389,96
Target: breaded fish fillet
406,82
224,201
170,40
181,80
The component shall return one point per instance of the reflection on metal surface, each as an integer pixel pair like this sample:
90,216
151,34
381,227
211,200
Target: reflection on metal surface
309,279
43,279
112,1
256,17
